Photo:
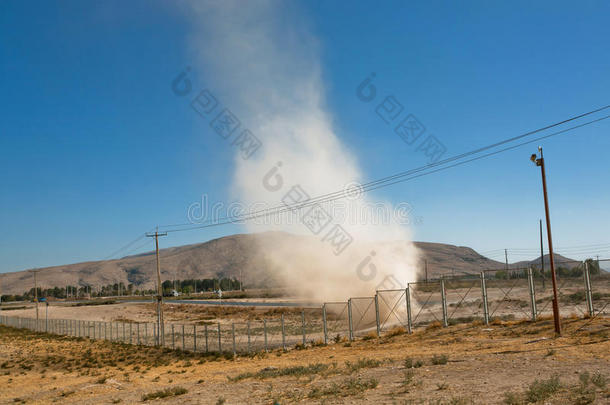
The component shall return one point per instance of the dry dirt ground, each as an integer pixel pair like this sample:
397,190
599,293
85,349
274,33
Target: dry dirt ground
506,362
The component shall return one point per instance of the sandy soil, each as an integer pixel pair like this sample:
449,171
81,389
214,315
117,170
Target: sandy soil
484,363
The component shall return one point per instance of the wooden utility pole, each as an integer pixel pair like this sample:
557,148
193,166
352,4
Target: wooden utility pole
426,269
542,258
540,162
506,260
36,294
160,328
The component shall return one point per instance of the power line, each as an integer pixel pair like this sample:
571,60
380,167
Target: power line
393,179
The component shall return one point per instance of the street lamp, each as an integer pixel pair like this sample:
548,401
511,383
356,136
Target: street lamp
539,161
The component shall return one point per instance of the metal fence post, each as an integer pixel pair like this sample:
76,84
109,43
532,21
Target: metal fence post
138,332
234,347
349,319
303,325
194,338
484,295
530,281
283,334
588,291
248,336
324,323
173,338
444,302
377,313
183,345
265,333
219,343
408,299
205,329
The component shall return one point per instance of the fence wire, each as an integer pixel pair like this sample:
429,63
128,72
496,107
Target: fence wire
508,294
504,294
464,300
363,315
426,303
337,321
392,309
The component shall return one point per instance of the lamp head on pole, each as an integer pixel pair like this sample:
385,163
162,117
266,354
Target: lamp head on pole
534,158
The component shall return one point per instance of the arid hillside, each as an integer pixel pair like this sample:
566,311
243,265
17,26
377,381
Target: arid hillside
223,257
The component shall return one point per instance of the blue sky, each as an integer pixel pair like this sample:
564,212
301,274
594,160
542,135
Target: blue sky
95,149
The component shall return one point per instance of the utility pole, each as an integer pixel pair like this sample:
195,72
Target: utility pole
160,327
542,258
540,162
506,260
426,269
36,293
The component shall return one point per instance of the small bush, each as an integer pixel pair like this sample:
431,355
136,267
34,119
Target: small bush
169,392
540,390
599,380
362,363
410,363
271,372
370,336
350,387
439,359
396,331
435,325
511,398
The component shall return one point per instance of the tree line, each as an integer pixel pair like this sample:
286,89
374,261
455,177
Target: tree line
119,289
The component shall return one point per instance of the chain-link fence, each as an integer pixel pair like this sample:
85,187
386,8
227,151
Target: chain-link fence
393,309
336,318
361,311
464,300
426,303
509,294
583,290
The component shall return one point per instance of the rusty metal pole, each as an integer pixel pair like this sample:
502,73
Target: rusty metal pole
540,162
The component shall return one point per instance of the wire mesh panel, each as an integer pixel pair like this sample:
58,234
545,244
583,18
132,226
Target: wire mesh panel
571,293
508,294
363,315
464,300
255,339
293,330
600,287
426,303
314,328
337,323
392,309
274,334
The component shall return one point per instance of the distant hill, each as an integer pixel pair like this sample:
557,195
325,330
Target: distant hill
560,261
223,257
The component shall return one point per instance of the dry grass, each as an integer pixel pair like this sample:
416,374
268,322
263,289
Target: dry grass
38,368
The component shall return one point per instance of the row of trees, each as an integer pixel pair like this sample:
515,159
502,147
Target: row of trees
561,271
119,289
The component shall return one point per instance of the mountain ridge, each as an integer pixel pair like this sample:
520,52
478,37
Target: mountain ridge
226,256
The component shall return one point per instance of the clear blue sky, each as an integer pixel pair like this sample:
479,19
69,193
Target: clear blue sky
95,149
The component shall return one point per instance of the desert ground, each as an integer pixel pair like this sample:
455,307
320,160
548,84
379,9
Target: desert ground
508,362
